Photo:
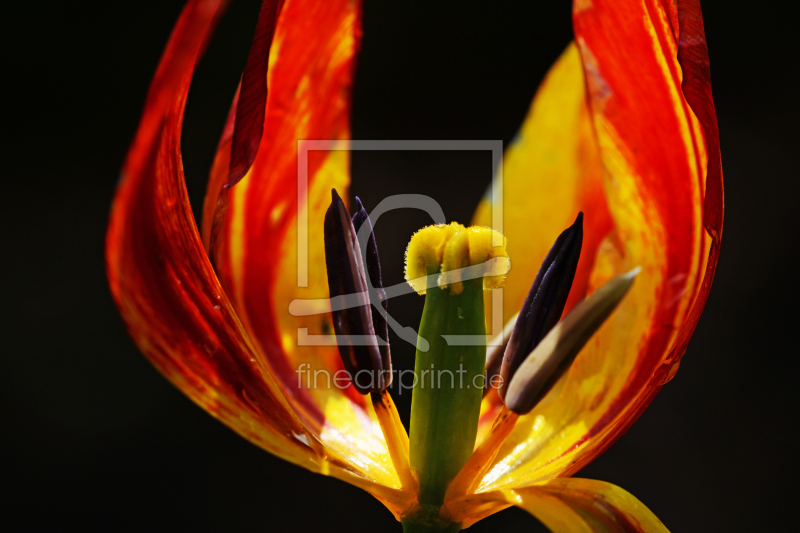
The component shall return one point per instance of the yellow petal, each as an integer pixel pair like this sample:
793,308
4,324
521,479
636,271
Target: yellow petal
550,172
566,506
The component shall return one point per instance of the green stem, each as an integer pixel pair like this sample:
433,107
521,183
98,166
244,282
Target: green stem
445,406
416,525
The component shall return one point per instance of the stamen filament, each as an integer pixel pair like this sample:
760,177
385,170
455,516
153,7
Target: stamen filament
396,438
470,476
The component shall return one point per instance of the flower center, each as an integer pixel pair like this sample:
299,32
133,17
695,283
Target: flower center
452,265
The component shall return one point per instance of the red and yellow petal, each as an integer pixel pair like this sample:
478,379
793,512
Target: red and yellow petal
661,184
162,280
251,228
175,308
566,506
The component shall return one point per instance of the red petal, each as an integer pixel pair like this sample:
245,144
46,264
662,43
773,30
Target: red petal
252,95
161,278
310,73
693,58
176,309
643,109
244,126
662,180
250,228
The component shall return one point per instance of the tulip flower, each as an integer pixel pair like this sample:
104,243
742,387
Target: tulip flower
622,129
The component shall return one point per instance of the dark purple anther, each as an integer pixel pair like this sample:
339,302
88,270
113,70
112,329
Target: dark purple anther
351,310
545,302
377,296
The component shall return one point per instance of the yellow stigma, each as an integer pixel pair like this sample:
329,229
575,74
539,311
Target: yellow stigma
456,254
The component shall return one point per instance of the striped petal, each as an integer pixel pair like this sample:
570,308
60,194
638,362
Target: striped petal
176,309
551,172
567,506
251,227
639,73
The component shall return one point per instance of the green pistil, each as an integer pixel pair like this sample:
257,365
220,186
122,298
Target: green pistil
447,394
448,385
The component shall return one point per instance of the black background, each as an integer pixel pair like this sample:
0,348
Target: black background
94,438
